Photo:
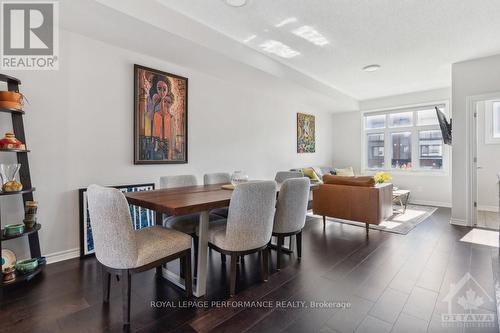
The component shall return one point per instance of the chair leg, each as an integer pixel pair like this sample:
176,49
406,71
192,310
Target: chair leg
232,275
298,238
264,259
279,246
324,221
195,255
126,296
182,272
223,258
188,280
367,228
106,283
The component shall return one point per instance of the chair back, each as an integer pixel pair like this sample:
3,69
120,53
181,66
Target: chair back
112,231
281,176
217,178
250,218
291,208
178,181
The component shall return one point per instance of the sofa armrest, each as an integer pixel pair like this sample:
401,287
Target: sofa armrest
356,203
385,200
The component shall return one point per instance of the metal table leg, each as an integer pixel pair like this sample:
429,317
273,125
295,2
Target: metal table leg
199,289
201,281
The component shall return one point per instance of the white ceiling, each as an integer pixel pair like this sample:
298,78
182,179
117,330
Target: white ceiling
415,41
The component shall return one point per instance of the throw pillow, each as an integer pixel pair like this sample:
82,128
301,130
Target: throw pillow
318,172
309,172
346,172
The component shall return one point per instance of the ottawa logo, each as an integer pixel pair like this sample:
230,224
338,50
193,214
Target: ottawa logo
468,305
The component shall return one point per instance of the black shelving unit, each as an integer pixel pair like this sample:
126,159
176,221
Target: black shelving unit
26,193
15,150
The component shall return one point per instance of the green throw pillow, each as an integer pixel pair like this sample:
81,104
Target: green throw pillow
309,172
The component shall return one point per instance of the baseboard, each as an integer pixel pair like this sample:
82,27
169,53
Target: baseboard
62,255
493,209
459,222
431,203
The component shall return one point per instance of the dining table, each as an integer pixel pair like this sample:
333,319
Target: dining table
183,201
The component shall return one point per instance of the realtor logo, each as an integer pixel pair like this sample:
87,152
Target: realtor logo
30,35
466,305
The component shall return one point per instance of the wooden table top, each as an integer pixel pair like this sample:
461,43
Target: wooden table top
183,200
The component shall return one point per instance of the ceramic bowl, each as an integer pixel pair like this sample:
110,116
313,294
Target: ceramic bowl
11,96
13,229
26,266
8,259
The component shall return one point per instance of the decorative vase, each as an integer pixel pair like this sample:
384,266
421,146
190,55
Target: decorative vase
9,274
238,177
30,214
9,172
11,100
10,142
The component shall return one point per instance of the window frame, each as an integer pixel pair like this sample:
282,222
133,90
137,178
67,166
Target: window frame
415,130
490,139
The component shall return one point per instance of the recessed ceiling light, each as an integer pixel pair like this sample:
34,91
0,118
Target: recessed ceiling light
279,49
371,68
286,21
236,3
310,34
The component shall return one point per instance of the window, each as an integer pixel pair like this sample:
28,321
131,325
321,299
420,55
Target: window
431,149
400,119
405,139
401,150
492,122
376,150
427,117
375,121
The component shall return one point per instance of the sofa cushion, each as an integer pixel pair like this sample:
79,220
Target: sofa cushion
347,172
309,172
319,172
365,181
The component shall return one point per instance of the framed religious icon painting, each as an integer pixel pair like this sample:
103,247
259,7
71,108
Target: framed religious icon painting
160,117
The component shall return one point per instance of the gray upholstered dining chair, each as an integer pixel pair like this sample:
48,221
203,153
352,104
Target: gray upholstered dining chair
218,178
291,210
177,181
281,176
185,223
248,226
121,250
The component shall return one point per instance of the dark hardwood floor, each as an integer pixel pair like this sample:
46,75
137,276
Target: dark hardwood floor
392,282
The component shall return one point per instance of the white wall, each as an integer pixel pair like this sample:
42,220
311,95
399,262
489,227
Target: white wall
469,78
488,157
79,128
426,189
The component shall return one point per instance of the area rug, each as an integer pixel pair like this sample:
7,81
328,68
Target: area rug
399,223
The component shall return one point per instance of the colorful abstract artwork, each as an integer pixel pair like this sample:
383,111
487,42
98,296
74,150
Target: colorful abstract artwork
141,217
306,133
160,113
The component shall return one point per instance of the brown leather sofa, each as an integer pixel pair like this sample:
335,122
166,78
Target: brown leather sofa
353,198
